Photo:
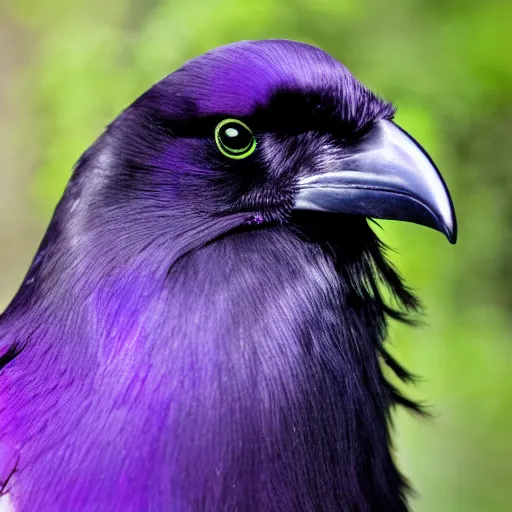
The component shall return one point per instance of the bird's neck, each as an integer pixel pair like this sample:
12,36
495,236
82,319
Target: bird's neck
246,381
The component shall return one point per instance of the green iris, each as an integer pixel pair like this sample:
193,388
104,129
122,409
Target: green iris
234,139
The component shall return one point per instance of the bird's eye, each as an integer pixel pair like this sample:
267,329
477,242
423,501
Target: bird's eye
234,139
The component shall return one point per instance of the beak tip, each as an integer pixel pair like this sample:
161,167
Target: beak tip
452,237
450,230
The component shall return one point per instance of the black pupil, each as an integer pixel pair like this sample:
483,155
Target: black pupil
236,137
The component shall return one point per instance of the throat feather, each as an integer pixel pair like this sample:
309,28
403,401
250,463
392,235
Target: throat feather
247,379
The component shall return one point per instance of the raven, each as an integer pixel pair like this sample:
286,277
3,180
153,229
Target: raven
202,326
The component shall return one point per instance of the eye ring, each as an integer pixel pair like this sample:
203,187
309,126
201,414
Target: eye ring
234,139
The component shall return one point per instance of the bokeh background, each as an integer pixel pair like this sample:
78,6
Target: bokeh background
67,67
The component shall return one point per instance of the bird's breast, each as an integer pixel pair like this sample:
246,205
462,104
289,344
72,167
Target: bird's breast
217,388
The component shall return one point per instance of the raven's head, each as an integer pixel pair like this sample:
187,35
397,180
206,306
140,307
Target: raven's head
249,134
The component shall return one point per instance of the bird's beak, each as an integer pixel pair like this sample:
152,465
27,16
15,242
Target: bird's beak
387,175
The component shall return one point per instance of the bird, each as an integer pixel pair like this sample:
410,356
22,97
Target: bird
203,326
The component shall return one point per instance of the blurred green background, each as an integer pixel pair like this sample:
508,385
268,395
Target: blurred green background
69,66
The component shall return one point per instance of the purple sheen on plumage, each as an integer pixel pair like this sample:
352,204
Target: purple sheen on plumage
255,219
173,353
144,404
240,77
